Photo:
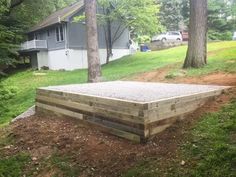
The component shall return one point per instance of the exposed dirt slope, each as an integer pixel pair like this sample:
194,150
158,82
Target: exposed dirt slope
218,78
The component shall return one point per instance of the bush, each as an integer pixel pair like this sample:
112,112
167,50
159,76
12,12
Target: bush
6,93
143,39
222,36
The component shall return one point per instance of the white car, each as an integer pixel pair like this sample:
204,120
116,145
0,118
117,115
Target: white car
234,36
168,36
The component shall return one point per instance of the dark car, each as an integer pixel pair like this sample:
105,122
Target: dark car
184,35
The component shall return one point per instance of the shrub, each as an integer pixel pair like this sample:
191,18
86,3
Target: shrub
6,93
222,36
143,39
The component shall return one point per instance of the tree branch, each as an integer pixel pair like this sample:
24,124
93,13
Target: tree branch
116,36
15,3
117,30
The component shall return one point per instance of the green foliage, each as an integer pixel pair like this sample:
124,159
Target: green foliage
40,10
26,82
13,166
138,15
174,15
143,39
219,13
8,35
65,165
224,36
221,19
3,7
170,14
6,93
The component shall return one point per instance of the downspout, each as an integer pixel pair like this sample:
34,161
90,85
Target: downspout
66,37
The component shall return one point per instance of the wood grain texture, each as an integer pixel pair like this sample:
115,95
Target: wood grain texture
127,119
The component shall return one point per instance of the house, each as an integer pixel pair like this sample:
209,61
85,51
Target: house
58,42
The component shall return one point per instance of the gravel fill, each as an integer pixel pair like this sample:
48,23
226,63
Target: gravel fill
135,91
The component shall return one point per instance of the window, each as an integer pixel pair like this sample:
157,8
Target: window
174,33
59,33
36,36
48,32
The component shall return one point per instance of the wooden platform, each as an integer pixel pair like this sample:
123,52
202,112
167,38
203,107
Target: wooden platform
132,110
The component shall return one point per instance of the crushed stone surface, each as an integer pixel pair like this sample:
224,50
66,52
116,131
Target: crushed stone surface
135,91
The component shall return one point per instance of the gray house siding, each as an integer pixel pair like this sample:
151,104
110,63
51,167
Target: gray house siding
77,35
52,43
123,40
70,52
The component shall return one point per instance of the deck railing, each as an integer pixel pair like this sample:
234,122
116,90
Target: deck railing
34,44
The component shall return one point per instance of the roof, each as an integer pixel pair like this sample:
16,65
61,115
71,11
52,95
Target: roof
58,16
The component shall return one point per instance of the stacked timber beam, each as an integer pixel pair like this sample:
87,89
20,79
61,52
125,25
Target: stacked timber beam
133,120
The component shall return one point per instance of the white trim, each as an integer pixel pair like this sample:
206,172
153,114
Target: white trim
59,30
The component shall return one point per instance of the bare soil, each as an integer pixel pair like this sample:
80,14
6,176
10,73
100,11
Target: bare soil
219,78
100,154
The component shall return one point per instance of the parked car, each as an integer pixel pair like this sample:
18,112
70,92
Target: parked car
168,36
234,36
184,35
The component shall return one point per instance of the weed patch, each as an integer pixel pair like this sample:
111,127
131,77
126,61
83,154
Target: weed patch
14,165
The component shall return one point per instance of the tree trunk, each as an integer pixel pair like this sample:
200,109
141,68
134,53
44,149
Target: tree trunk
196,56
94,68
109,39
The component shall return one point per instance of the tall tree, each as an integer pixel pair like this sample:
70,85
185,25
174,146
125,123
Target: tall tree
94,68
197,46
139,16
9,37
170,13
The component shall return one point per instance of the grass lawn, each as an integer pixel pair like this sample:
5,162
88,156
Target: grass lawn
17,91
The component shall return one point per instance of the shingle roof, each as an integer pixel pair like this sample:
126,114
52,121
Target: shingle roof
58,16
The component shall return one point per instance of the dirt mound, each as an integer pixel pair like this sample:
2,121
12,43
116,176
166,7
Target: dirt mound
96,152
215,78
219,78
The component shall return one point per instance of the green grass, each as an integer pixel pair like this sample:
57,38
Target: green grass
14,165
11,166
210,150
65,166
24,83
